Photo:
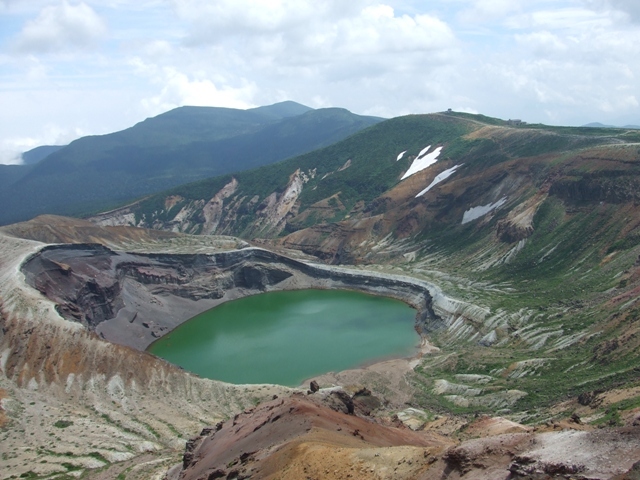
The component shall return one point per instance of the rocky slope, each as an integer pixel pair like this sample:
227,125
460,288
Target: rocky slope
533,229
328,435
72,402
373,184
318,436
126,402
132,299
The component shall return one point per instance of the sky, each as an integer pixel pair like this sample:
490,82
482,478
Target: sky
73,68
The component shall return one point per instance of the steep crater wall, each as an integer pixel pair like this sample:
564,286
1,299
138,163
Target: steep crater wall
132,299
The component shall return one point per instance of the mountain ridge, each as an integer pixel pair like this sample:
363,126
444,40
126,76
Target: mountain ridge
601,125
35,155
182,145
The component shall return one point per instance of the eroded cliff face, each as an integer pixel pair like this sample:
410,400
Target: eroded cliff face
126,401
224,213
112,401
132,299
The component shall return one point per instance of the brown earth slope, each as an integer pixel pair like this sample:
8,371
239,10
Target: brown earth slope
314,437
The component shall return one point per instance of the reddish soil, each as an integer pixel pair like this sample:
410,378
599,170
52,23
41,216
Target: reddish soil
302,437
312,437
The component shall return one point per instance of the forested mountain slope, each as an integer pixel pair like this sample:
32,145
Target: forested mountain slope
180,146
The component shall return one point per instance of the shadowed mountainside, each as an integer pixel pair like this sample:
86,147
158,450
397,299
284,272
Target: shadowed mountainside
179,146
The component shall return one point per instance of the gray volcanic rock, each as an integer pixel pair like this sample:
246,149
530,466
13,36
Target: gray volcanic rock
134,298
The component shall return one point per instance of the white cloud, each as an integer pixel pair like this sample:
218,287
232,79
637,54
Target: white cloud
61,27
566,19
10,154
321,53
481,11
558,61
178,88
212,21
630,8
11,149
306,33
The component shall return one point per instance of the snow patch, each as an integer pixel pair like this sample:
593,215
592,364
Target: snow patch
439,178
423,161
477,212
424,151
401,155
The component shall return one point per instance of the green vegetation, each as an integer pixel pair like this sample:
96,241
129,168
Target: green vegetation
63,423
612,416
560,284
177,147
373,169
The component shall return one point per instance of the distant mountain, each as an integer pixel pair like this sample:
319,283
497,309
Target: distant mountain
601,125
349,180
10,174
39,153
177,147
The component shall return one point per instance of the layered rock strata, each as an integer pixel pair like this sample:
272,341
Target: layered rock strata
132,299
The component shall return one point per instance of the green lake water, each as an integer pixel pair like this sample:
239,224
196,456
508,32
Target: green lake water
288,337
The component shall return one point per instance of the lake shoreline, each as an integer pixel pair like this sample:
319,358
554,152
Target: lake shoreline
143,297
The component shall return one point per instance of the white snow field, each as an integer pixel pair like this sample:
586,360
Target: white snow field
477,212
439,178
422,161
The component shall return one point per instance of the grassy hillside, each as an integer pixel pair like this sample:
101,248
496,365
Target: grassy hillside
372,166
